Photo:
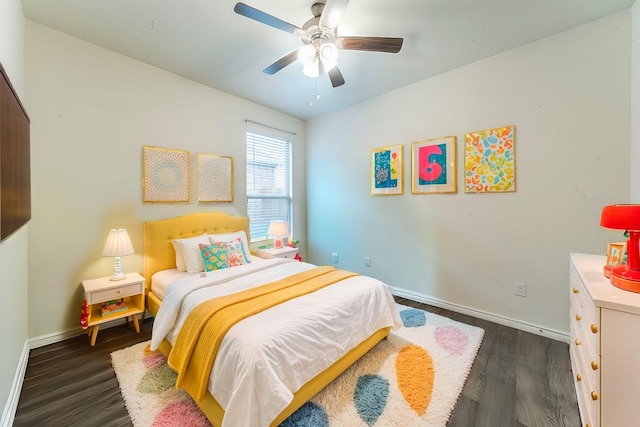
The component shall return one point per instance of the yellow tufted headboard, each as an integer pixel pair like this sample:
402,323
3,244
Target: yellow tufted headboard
158,234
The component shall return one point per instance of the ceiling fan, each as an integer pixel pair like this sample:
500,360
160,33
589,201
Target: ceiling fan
319,53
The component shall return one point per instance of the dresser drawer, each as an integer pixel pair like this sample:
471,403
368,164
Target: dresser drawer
586,382
115,293
585,317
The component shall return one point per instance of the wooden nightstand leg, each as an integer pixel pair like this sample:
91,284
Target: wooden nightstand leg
89,329
135,323
94,334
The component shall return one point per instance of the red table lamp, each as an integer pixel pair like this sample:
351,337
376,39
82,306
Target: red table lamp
625,217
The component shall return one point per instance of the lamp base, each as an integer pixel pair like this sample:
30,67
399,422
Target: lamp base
114,276
277,243
607,271
625,278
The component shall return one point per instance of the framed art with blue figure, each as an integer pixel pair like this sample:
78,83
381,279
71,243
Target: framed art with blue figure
386,171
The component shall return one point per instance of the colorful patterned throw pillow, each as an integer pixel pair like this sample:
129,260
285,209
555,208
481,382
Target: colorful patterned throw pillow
235,251
214,257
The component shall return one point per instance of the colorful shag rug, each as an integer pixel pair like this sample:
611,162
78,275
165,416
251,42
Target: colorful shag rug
413,378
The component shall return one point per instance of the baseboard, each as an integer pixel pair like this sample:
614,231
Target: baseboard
491,317
11,406
9,413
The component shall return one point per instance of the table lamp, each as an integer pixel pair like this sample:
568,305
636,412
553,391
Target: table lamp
625,217
118,244
278,229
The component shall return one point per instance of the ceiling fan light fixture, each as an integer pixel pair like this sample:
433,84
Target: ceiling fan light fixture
328,53
312,69
307,55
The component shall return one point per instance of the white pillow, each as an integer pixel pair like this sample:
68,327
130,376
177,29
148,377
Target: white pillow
227,237
177,248
190,251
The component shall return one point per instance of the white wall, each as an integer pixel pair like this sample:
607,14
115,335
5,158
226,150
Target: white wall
13,251
568,96
92,111
635,103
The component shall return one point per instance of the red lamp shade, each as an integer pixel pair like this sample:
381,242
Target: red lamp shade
625,217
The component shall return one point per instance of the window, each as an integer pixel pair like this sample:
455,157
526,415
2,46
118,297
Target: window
268,179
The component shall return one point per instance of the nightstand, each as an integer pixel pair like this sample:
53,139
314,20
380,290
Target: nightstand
96,291
285,252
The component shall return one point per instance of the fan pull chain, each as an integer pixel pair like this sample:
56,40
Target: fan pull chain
317,94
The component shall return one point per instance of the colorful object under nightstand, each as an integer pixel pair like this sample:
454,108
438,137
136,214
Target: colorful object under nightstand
625,217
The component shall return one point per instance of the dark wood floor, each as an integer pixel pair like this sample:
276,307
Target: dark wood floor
518,380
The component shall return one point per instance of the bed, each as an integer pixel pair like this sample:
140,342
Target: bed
287,332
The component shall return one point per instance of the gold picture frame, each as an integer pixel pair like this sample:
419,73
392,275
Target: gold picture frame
616,253
433,166
490,160
386,171
165,175
215,178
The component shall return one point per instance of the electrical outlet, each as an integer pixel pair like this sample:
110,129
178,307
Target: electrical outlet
367,261
520,289
334,257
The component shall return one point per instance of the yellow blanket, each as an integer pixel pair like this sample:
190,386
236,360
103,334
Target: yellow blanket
195,348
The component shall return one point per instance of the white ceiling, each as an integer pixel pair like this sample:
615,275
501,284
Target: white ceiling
207,42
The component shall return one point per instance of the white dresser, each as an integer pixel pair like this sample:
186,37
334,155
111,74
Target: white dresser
605,346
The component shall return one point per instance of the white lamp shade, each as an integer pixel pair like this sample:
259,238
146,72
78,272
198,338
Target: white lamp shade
278,229
118,243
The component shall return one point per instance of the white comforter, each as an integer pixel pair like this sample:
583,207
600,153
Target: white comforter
264,359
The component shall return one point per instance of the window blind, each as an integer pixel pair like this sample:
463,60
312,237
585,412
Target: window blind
268,179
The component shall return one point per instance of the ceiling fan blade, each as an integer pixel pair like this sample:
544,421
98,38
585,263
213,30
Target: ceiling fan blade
336,77
373,44
288,59
332,12
265,18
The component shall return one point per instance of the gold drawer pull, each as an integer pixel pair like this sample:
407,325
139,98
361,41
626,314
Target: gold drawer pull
594,328
578,318
579,377
578,342
594,365
575,290
587,425
594,395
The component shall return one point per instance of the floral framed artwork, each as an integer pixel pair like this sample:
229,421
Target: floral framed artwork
386,171
433,166
489,161
215,178
616,254
165,175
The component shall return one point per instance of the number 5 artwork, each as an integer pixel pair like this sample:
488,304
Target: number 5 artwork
433,166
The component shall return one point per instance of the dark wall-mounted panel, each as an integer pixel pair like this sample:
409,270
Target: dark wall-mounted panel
15,163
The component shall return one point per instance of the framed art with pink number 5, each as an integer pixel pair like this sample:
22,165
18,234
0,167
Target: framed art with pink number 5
433,166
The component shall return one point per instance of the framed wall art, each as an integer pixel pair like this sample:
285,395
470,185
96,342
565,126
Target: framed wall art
386,170
433,166
616,254
489,161
215,178
165,175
